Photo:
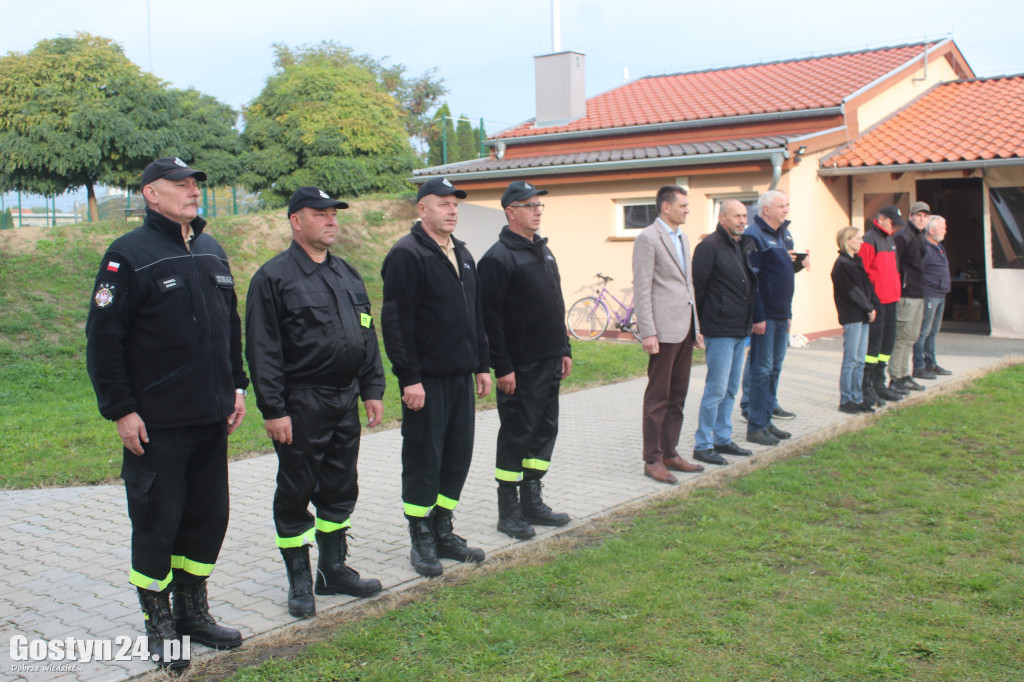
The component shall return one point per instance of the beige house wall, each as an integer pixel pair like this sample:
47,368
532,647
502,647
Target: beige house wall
580,224
897,95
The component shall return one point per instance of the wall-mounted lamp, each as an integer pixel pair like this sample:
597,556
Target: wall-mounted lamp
801,150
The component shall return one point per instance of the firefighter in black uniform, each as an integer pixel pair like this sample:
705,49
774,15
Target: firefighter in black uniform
312,351
435,338
165,357
525,315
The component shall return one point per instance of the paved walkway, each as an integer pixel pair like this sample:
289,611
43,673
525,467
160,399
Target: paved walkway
63,567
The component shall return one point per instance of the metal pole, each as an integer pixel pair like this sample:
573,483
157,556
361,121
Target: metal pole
19,208
213,204
482,136
234,200
444,139
205,212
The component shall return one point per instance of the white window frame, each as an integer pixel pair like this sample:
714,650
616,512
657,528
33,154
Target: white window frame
620,215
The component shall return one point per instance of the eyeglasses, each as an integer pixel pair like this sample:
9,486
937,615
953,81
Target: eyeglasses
531,207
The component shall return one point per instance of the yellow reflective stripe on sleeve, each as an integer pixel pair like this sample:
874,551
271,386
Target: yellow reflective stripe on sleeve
297,541
325,526
446,503
147,583
416,511
883,358
510,476
189,566
536,464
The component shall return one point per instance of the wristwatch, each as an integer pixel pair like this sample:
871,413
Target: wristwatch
242,392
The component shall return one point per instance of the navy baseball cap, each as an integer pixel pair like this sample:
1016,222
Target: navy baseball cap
439,186
171,168
312,197
519,191
893,214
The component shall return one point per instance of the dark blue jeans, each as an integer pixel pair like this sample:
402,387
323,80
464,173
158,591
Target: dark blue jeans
767,351
931,322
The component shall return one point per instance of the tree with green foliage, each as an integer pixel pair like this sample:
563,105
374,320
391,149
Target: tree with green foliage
76,112
6,220
451,139
334,120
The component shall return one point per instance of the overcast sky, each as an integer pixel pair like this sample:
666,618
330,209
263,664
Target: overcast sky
483,49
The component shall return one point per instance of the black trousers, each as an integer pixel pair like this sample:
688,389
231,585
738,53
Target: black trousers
319,465
529,421
882,335
178,503
437,444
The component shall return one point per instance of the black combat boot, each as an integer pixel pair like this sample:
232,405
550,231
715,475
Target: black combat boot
160,630
868,388
192,617
450,545
424,547
332,575
534,509
880,388
301,603
510,514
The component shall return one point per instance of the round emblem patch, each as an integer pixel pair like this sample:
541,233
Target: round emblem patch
104,296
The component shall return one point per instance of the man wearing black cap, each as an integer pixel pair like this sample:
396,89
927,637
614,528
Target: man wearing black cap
910,249
525,315
878,253
164,355
434,335
312,351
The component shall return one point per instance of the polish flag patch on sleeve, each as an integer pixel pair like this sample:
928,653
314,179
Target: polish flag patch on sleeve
113,266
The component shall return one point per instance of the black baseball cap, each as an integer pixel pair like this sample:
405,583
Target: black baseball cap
893,214
518,191
312,197
171,168
439,186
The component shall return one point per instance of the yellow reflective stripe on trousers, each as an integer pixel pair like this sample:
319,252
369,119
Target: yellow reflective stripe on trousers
871,359
416,511
446,503
147,583
297,541
883,358
189,566
536,464
325,526
510,476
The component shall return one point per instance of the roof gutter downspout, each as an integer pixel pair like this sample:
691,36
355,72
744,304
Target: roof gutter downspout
776,158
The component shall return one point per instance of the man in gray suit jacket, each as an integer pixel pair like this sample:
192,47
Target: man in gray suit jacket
663,299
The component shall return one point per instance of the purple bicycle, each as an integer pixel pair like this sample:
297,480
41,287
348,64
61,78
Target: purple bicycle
588,317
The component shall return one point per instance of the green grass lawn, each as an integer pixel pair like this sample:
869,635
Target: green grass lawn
50,430
890,553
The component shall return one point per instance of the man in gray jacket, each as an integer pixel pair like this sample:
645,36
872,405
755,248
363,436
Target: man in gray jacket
663,299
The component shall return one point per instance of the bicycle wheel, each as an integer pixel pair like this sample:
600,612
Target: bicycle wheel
634,329
588,319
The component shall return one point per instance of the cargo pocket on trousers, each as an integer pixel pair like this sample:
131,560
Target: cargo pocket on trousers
137,483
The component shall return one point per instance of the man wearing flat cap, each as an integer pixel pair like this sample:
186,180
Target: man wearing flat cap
434,335
312,350
164,353
525,316
910,249
878,253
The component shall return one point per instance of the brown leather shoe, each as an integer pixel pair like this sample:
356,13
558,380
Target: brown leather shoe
679,464
659,473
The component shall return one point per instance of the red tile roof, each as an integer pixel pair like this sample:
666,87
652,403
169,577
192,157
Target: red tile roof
793,85
958,121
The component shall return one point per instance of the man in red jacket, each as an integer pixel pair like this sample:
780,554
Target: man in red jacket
879,256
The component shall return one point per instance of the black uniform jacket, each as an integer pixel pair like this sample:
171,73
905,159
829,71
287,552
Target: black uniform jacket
725,284
431,318
308,324
853,291
522,302
164,337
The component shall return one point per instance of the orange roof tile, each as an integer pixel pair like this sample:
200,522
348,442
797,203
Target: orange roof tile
794,85
958,121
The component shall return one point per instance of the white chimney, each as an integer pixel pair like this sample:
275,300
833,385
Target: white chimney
561,92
